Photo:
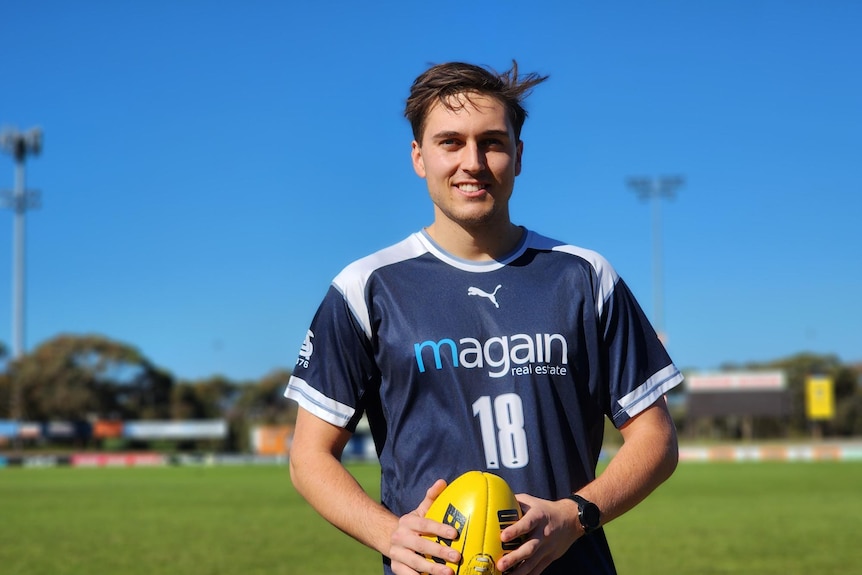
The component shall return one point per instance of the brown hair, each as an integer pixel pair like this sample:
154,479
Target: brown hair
439,83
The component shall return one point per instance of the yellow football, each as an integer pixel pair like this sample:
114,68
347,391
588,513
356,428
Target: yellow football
479,506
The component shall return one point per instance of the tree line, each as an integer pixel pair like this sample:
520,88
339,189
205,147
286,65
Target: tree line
92,377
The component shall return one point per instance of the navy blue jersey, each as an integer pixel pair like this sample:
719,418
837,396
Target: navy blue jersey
507,366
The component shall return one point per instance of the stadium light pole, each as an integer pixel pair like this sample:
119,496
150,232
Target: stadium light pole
19,145
654,189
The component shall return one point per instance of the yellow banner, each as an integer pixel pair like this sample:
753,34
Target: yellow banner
820,397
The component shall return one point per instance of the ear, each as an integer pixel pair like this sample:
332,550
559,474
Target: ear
519,151
418,162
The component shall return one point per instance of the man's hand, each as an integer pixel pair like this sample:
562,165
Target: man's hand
407,540
548,529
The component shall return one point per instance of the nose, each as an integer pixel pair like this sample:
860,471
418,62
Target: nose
473,160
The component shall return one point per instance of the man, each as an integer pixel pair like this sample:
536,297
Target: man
478,344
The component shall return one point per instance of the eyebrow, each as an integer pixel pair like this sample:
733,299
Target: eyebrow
452,133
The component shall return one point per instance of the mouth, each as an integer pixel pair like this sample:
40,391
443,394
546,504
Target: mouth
472,189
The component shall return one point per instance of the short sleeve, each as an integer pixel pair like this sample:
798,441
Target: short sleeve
639,368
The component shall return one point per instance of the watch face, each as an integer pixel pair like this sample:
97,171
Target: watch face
590,516
588,513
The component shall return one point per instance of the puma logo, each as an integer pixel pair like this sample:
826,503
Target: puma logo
482,293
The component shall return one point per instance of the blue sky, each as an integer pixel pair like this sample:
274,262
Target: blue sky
208,167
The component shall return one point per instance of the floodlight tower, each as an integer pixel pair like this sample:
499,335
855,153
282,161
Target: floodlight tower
654,189
19,145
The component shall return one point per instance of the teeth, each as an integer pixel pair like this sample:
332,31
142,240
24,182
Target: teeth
469,187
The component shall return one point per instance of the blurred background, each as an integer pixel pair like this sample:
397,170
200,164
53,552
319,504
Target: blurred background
183,180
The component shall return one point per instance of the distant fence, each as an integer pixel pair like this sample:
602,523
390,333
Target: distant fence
802,452
143,459
107,429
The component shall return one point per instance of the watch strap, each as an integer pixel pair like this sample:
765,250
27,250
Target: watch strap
587,507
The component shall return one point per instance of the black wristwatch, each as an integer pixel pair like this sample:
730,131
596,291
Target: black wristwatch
588,513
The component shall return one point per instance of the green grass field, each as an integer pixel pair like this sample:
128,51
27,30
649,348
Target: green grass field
709,518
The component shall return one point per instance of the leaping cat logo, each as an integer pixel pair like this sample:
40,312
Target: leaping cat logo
482,293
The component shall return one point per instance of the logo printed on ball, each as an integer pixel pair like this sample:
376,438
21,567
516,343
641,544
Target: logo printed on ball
456,519
508,517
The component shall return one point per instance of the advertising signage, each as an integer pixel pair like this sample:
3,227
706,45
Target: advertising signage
206,429
737,381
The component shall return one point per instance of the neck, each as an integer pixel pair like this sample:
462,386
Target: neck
481,243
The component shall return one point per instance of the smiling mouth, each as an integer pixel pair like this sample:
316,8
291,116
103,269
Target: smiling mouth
471,188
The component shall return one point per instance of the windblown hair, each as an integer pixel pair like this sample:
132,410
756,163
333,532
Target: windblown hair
443,81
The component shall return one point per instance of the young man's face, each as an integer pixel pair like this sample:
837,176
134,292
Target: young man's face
469,158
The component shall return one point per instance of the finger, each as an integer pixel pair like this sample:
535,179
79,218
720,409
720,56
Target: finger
519,529
436,550
425,536
418,565
520,557
421,560
433,493
529,567
535,563
429,527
